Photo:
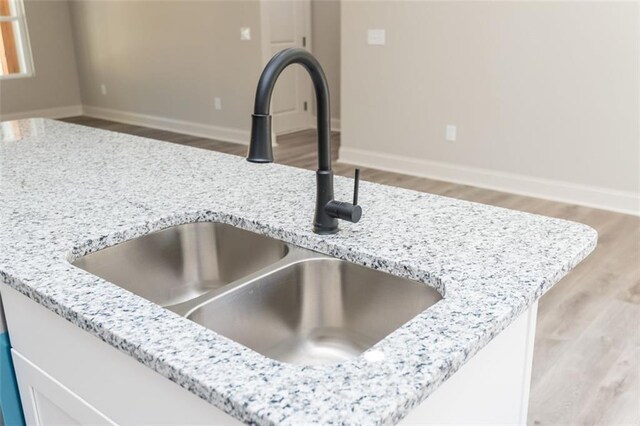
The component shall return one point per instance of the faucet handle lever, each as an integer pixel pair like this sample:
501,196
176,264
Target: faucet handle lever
356,184
344,210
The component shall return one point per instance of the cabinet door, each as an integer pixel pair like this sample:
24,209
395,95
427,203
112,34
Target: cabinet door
113,384
47,402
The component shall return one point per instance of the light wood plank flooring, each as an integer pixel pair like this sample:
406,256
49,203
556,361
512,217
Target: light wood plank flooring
587,351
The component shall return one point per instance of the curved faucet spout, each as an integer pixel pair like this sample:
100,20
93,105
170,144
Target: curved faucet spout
261,151
328,210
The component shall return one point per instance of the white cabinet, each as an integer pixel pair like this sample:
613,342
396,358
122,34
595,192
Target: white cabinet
67,376
46,401
492,388
66,373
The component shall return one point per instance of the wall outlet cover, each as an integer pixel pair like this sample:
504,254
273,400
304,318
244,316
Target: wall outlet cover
376,37
451,133
245,33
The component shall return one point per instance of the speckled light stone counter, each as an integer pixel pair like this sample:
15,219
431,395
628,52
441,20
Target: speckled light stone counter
66,190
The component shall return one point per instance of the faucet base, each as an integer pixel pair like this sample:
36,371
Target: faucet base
324,231
322,222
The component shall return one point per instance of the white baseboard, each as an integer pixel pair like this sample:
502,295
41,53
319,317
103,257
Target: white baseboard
601,198
225,134
59,112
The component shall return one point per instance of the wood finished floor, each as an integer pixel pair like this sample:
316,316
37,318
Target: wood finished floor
586,366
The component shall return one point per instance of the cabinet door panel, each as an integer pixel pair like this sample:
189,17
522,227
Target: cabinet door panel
47,402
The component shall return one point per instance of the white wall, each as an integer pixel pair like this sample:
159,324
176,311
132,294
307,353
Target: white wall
169,59
325,32
53,90
162,62
544,95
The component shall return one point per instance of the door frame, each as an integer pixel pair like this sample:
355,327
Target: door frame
265,48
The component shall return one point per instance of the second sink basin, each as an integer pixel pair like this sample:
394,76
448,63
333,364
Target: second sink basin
315,311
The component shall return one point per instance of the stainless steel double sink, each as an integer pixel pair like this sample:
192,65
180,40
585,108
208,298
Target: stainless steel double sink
287,303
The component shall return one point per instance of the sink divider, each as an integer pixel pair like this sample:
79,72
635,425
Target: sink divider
294,255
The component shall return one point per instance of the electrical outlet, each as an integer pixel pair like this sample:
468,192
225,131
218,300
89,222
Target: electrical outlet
451,133
103,89
377,37
217,103
245,33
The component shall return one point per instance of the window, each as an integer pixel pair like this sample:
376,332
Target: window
15,52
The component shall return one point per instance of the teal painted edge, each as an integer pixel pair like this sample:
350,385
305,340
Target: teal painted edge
9,397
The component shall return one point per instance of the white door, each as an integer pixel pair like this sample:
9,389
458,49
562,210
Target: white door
287,23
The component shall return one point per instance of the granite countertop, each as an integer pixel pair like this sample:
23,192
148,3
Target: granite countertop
66,190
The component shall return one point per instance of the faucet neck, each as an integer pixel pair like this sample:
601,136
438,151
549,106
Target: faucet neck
261,114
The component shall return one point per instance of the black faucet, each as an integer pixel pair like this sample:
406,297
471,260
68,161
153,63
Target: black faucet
328,210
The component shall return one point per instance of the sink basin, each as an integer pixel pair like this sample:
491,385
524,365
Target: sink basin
315,311
183,262
285,302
